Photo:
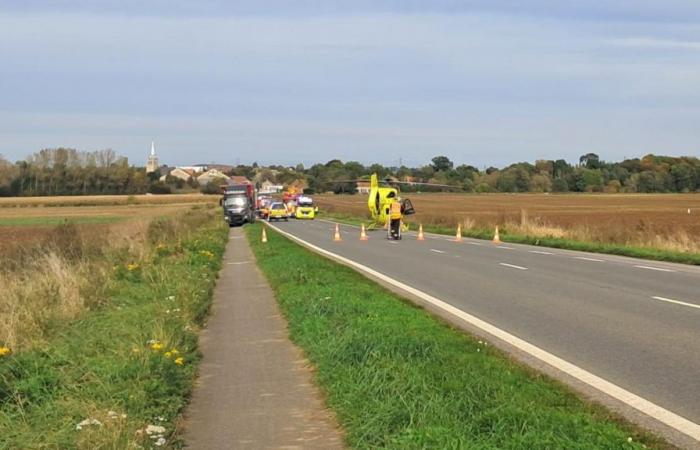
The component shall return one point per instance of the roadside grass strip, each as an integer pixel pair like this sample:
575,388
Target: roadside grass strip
119,375
550,242
397,377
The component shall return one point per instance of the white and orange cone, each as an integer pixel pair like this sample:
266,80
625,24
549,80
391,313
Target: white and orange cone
496,237
336,236
264,237
458,236
421,236
363,233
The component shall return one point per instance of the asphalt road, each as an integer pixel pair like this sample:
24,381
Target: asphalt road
635,323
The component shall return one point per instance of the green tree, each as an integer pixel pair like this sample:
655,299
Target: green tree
441,163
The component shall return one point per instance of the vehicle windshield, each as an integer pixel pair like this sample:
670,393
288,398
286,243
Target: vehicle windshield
278,206
235,201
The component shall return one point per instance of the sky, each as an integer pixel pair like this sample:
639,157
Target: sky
484,82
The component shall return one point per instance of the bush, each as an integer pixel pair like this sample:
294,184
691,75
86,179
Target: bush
159,188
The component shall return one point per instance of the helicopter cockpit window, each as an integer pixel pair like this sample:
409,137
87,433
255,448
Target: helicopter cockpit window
391,194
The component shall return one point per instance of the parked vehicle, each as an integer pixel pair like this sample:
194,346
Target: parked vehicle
239,204
277,211
305,208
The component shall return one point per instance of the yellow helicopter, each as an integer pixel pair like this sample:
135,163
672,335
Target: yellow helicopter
387,208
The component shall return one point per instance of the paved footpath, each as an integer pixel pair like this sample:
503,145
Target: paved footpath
255,388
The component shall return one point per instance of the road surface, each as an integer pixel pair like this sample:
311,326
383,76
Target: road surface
631,322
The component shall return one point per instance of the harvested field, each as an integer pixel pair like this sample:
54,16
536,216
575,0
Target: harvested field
23,227
102,200
653,220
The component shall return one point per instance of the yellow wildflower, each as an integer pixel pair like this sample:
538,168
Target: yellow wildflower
180,361
132,267
174,351
167,354
135,350
157,346
207,253
4,351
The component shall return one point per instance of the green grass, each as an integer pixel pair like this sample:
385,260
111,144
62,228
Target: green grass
103,362
40,221
397,377
552,242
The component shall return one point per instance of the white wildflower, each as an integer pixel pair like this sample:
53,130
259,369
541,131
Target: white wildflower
88,422
160,442
171,297
154,429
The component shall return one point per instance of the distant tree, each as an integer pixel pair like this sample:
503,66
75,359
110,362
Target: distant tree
560,185
441,163
590,161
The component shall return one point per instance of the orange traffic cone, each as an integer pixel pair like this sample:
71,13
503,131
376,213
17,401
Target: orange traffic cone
496,237
421,237
363,233
458,237
336,236
264,236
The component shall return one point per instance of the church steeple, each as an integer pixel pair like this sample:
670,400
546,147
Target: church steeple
152,164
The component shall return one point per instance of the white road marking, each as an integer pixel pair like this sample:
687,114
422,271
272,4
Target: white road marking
663,299
541,253
436,251
588,259
654,268
238,263
393,242
661,414
513,266
474,243
504,247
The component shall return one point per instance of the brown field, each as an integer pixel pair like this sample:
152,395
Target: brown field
654,220
97,200
122,213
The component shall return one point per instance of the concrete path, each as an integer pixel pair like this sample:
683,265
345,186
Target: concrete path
255,389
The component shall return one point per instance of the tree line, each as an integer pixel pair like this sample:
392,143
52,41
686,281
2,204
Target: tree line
63,171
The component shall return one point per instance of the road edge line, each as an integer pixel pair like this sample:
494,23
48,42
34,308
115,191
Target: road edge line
668,418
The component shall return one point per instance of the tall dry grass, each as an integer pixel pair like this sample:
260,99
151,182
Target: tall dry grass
60,278
71,271
667,238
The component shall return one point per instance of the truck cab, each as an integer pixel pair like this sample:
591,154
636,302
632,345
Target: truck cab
239,205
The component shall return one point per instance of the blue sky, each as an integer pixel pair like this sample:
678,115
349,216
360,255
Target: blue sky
483,82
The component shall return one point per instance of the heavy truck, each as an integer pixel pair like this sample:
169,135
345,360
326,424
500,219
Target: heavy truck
239,203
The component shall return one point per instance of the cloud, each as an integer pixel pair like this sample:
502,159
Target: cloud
362,81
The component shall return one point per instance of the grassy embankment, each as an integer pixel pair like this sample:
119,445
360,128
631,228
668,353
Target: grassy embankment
399,378
544,237
95,331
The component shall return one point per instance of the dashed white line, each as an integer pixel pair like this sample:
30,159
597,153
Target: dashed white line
589,259
513,266
663,299
505,248
474,243
541,253
436,251
654,268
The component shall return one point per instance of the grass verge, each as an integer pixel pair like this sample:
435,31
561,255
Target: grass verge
552,242
119,374
399,378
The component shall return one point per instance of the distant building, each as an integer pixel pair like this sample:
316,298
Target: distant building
152,164
363,187
211,175
238,179
268,187
196,168
179,172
